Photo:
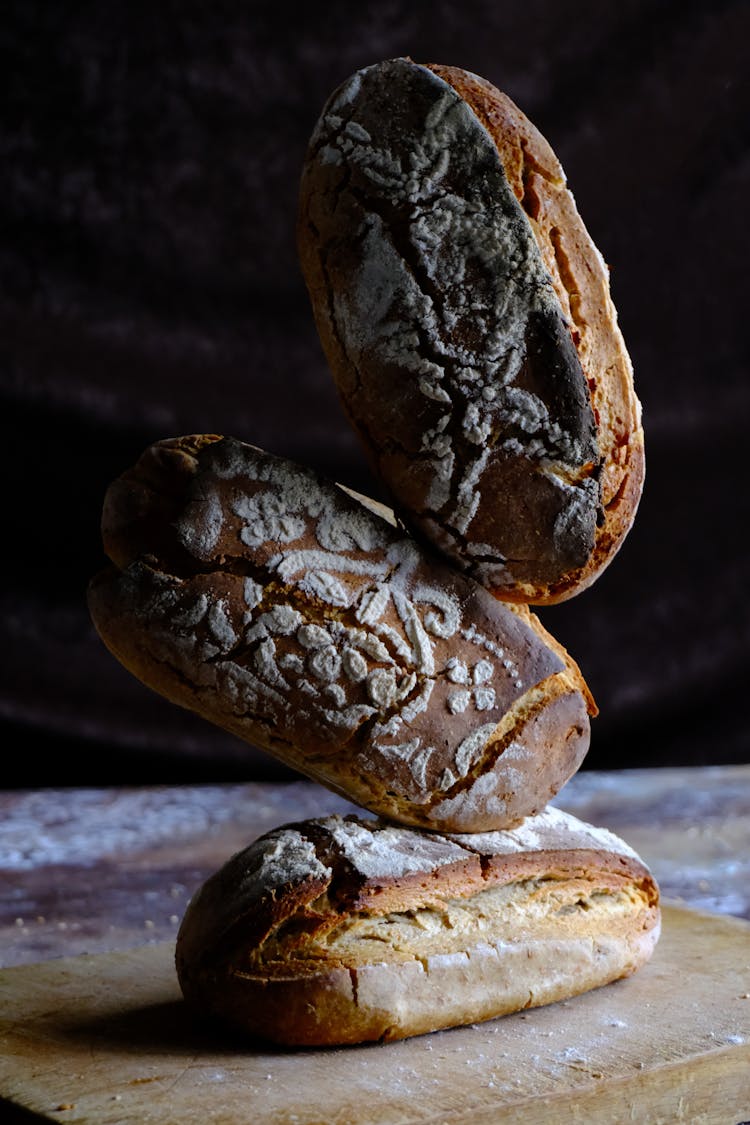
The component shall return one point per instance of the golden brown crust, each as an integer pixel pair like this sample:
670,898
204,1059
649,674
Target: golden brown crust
341,931
281,608
466,316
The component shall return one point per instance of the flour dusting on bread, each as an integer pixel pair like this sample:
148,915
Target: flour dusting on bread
453,325
278,605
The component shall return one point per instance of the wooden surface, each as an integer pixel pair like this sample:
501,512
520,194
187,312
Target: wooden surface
92,870
102,870
106,1039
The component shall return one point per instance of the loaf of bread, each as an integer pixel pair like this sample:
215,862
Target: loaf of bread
301,619
467,318
347,930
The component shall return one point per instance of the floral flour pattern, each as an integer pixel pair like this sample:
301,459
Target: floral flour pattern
318,618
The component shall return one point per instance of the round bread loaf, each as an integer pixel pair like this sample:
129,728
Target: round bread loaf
298,617
347,930
467,319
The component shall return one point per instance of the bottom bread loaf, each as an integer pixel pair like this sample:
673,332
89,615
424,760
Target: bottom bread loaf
345,930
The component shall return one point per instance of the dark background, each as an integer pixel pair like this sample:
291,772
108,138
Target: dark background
149,287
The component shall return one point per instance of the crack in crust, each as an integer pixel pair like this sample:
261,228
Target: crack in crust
580,278
334,922
439,352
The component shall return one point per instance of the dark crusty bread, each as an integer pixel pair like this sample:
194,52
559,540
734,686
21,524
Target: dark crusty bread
285,610
346,930
466,316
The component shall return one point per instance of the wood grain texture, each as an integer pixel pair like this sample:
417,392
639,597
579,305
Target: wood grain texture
106,1039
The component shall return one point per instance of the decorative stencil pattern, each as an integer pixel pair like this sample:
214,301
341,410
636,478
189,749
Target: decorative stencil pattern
312,616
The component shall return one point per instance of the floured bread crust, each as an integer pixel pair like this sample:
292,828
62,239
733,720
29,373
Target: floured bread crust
281,608
347,930
467,319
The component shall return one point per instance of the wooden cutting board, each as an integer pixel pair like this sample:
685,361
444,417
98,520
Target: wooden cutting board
105,1039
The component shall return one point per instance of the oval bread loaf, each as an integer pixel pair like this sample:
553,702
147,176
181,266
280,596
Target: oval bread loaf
294,615
347,930
467,319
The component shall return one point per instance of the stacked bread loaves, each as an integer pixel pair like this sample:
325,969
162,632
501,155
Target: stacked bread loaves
466,316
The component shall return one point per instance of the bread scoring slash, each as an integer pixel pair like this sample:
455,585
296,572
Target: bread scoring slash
300,618
348,930
466,316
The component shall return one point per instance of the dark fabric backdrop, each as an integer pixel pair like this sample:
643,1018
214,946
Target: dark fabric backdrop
149,287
